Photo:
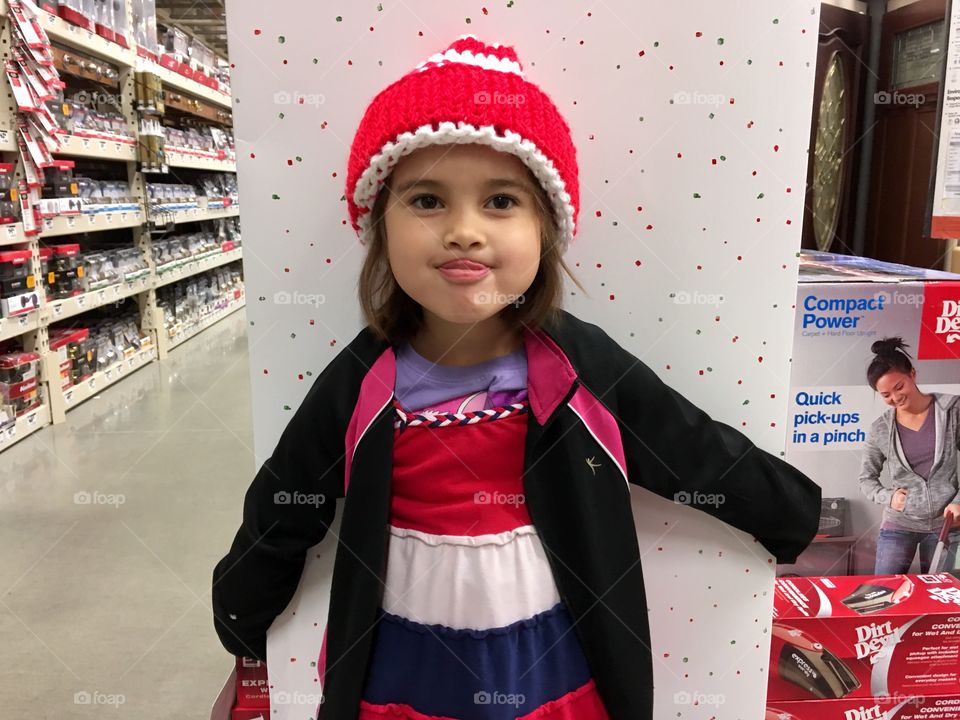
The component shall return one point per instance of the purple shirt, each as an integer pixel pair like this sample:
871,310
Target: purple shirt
425,385
919,446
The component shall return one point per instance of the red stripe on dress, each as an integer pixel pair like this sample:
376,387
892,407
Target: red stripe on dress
393,711
460,479
581,704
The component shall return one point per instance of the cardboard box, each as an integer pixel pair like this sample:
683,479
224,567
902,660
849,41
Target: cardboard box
863,636
937,707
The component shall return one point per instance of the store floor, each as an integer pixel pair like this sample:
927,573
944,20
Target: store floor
105,605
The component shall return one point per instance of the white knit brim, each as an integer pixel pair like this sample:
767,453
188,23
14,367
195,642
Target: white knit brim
448,133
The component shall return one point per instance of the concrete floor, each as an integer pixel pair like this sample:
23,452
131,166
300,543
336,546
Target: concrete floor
105,608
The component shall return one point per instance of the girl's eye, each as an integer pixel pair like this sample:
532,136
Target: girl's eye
501,199
429,200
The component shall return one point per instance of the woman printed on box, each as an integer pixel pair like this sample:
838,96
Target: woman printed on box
909,461
487,565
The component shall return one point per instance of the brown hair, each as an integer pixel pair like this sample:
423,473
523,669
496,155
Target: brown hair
396,317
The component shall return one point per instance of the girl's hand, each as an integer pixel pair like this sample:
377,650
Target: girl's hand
952,511
899,499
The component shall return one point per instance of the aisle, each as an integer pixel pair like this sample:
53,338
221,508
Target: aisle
112,596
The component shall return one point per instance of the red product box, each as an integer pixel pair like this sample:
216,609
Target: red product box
253,692
897,707
862,636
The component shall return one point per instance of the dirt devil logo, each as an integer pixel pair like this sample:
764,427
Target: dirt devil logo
863,713
870,640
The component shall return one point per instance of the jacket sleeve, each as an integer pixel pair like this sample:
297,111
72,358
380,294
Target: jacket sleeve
871,464
287,509
675,449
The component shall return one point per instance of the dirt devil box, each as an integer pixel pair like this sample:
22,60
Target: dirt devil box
863,636
253,693
896,707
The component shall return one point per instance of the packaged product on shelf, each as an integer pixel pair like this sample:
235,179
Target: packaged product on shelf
860,636
18,293
145,27
100,271
62,271
19,386
103,19
9,195
120,30
76,12
73,358
132,264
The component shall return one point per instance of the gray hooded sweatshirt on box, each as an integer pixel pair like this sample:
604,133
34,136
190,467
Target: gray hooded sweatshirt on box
884,469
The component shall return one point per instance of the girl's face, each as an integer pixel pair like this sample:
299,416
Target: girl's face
897,388
462,202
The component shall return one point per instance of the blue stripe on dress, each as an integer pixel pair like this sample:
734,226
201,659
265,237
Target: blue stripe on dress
493,674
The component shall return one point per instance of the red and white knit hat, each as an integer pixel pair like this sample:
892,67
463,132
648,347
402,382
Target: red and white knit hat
470,93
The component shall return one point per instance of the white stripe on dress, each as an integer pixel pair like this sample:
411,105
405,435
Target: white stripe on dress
476,582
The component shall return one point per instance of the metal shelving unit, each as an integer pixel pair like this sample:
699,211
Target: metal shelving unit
33,327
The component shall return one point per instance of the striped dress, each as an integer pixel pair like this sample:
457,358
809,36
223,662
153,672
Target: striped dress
471,626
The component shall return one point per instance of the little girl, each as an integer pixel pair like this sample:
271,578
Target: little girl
481,437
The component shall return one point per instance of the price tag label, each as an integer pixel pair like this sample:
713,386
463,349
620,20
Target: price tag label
71,221
23,320
130,362
120,369
92,383
68,396
32,419
117,147
107,374
101,296
109,218
58,309
81,301
103,145
85,142
11,230
47,223
92,220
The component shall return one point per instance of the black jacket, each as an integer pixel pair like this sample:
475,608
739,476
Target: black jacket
599,416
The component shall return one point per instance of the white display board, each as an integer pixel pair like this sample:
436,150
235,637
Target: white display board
692,122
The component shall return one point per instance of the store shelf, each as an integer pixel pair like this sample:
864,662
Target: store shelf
193,215
177,159
25,426
76,146
90,222
68,307
85,389
183,335
12,233
19,324
59,30
196,266
185,84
